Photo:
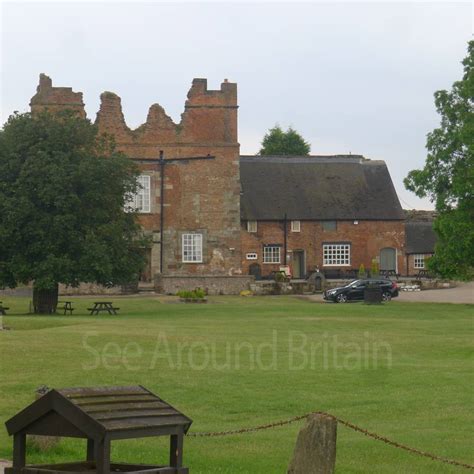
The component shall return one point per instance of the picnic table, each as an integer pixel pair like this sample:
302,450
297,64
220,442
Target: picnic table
389,273
101,306
3,309
423,274
67,306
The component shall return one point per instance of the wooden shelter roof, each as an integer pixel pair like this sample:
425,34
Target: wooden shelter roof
120,412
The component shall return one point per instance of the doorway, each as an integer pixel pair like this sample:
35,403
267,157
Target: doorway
146,273
298,264
388,259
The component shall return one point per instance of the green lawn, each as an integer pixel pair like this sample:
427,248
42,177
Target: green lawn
402,370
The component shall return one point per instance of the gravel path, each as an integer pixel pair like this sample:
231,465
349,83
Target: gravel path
462,294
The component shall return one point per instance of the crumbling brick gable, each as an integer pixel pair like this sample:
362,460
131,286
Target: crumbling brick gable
56,98
200,195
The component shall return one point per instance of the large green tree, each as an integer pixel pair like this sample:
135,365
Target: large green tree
448,176
279,142
62,197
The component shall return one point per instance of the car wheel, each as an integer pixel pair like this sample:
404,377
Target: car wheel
342,298
386,296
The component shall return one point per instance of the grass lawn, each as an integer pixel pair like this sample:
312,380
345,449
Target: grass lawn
403,370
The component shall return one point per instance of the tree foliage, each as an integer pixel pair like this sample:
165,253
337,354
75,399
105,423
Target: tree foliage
279,142
62,196
448,176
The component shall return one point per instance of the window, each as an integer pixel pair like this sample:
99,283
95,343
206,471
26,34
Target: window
419,261
329,225
271,254
251,226
295,226
251,256
337,254
192,248
140,202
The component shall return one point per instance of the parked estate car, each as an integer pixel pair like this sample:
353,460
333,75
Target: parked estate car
354,291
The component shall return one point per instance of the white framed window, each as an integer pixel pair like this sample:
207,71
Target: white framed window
140,201
251,256
271,254
252,226
419,261
295,226
336,254
192,248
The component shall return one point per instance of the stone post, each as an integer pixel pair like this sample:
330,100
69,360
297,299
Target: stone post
315,450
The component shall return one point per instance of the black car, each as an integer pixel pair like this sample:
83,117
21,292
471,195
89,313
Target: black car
354,291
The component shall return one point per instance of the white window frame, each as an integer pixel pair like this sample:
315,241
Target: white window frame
336,254
191,247
272,254
251,256
419,261
295,226
140,201
252,227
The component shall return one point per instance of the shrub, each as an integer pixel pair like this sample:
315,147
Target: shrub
374,269
362,271
196,294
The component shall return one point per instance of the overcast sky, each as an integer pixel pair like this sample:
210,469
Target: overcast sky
350,77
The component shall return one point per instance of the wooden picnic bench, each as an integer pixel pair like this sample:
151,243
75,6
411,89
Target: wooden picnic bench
389,273
423,274
67,306
102,306
3,309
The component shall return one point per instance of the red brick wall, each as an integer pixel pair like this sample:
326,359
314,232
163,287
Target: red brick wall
411,263
367,238
200,195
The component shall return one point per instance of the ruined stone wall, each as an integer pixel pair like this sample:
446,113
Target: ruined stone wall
367,238
200,195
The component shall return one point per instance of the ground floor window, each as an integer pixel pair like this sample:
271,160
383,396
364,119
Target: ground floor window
192,248
271,254
336,254
419,261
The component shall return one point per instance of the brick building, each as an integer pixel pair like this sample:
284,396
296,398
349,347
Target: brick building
328,212
212,214
420,240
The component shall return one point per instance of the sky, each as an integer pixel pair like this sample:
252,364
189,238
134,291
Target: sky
350,77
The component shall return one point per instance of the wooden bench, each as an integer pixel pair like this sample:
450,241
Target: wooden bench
101,306
67,306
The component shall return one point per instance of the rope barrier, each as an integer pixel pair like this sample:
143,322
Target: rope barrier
342,422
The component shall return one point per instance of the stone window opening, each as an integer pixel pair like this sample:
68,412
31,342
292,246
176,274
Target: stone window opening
192,248
140,201
295,226
329,225
252,226
272,254
419,261
336,254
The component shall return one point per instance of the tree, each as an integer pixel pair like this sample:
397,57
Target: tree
279,142
62,194
448,176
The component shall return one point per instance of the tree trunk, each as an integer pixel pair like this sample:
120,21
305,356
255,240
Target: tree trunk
45,301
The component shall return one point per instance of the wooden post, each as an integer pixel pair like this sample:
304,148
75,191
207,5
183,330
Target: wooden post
315,450
176,450
103,456
90,450
19,450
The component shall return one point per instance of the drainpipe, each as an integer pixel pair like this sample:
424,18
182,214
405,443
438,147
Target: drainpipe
285,243
162,207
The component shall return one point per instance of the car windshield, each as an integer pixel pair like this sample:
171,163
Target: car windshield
356,283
